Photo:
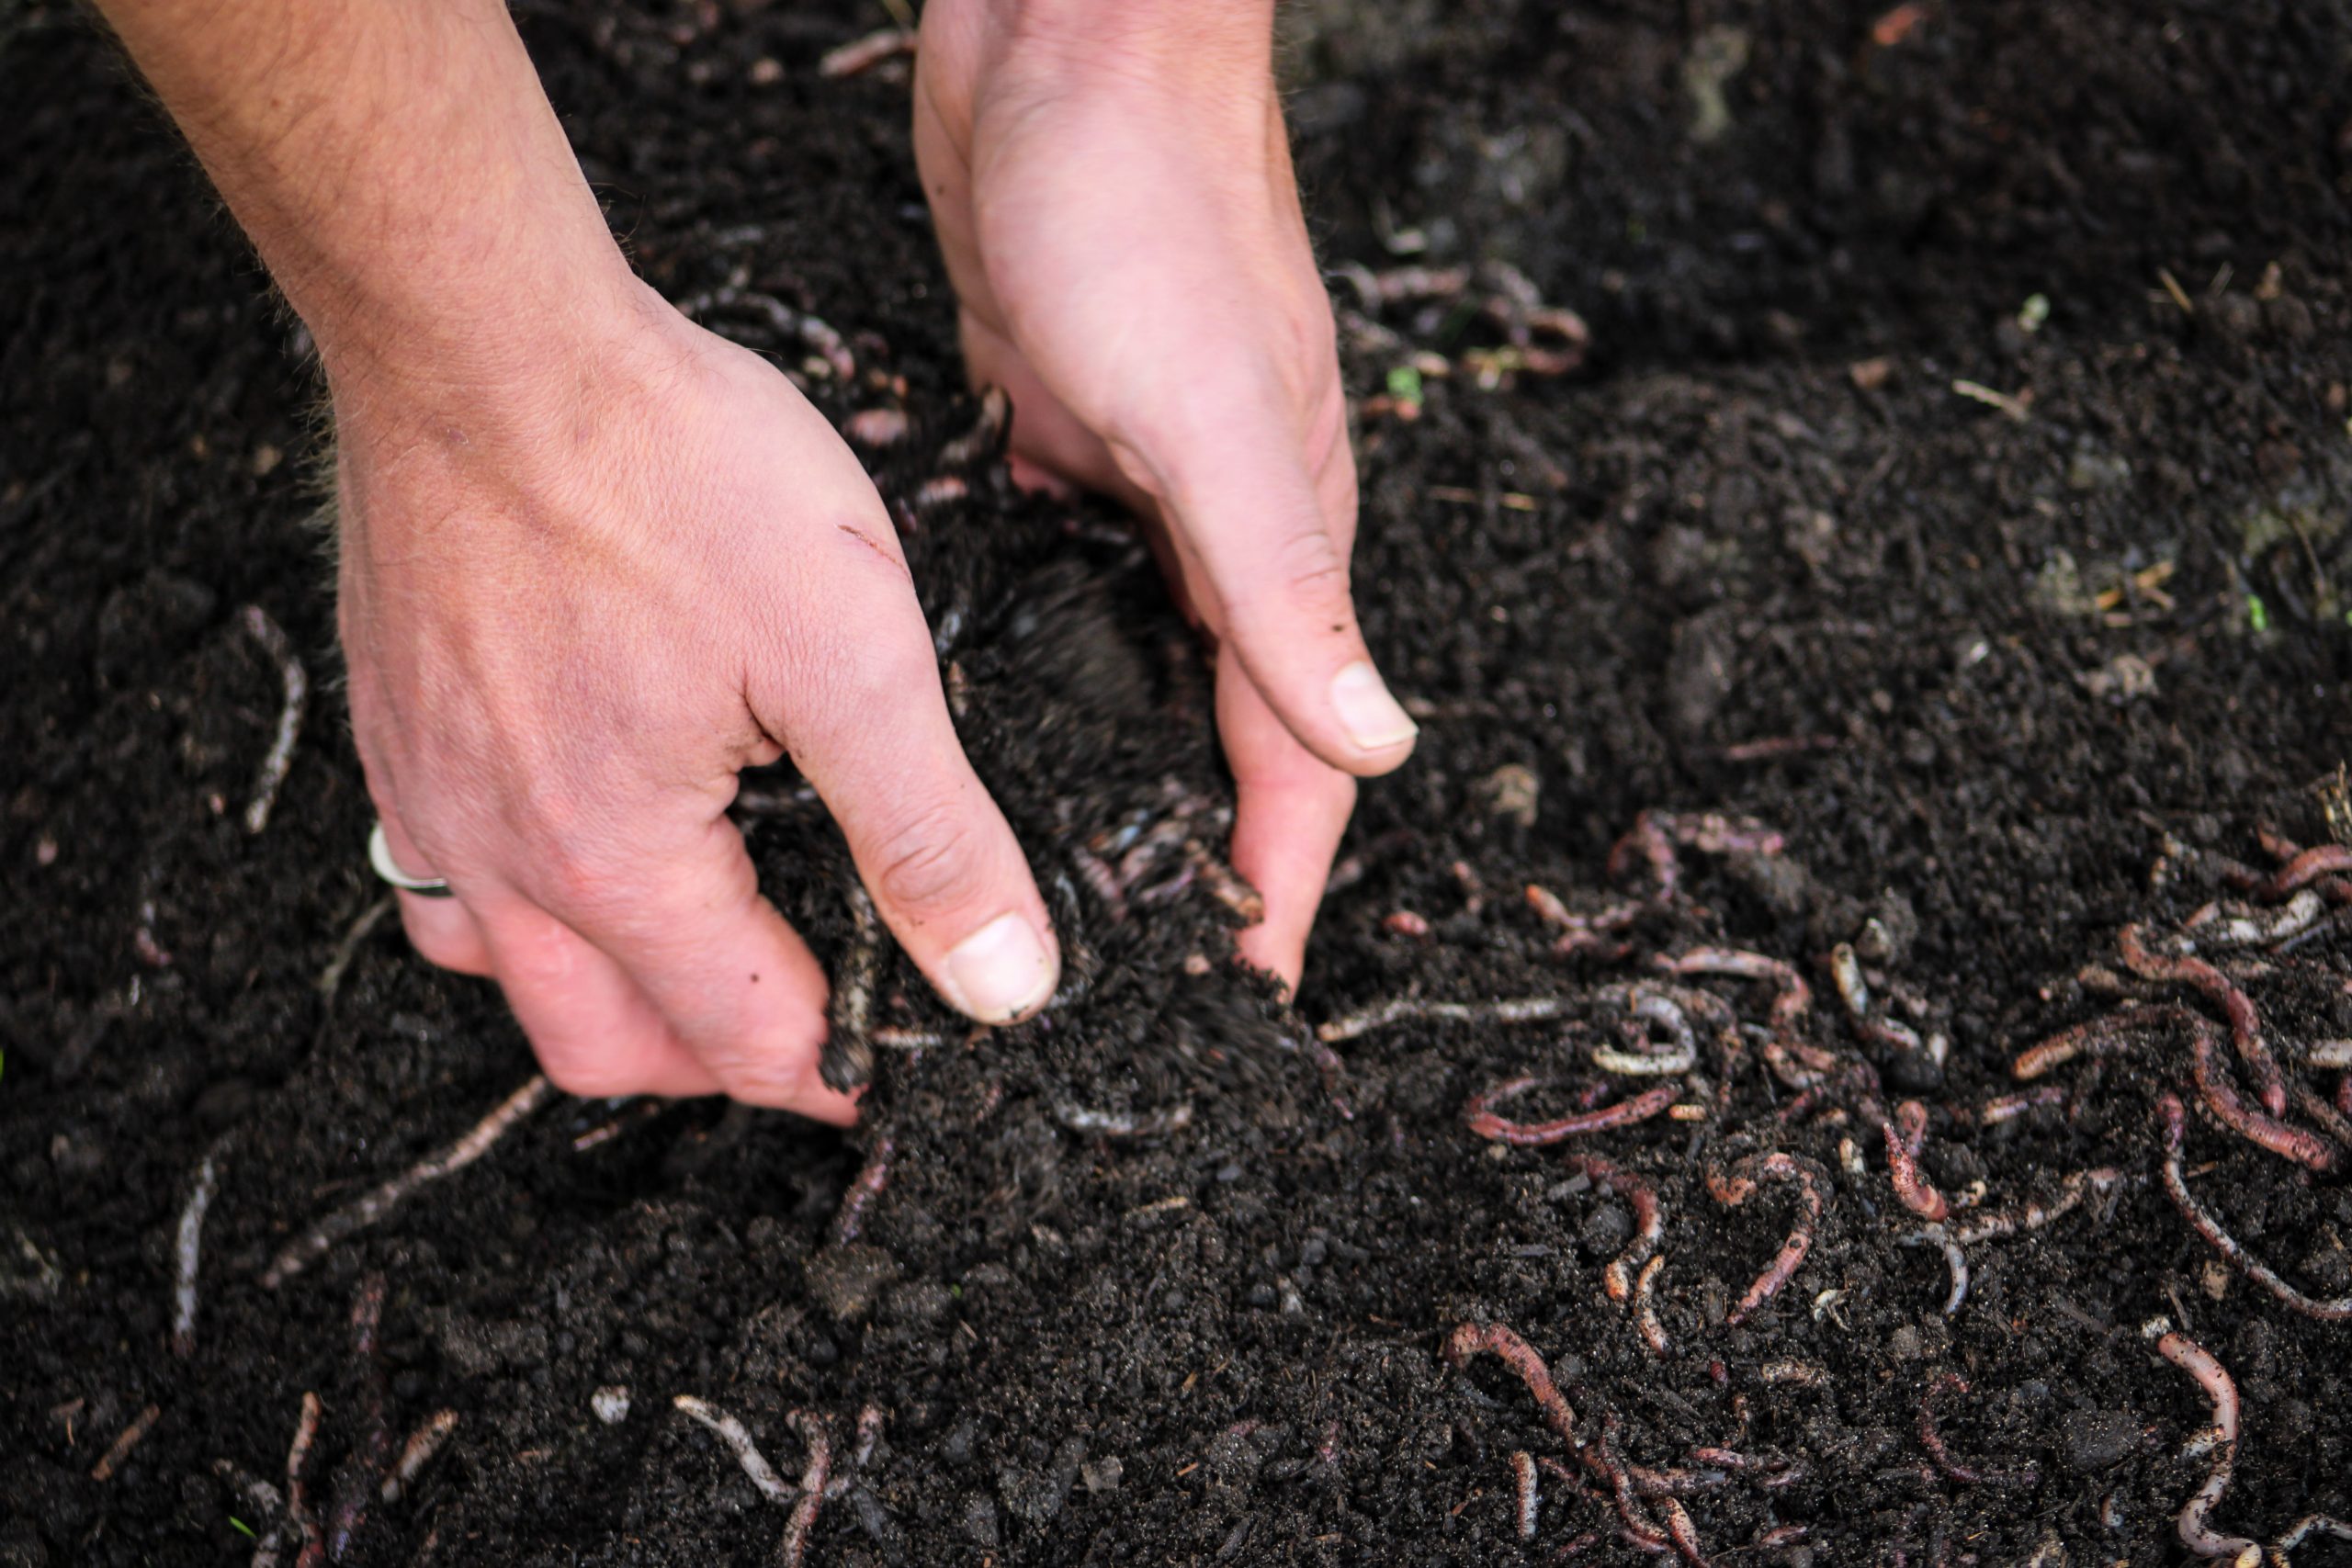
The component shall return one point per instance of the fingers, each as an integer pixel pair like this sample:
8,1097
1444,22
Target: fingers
873,734
442,931
685,952
1238,488
1291,811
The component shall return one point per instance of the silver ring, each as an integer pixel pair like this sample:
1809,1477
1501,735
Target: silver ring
380,855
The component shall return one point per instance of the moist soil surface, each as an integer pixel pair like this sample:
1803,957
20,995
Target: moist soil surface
1152,1279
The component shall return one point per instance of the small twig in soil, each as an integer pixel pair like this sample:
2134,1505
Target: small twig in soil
863,1187
2196,1530
861,55
1906,1132
2174,1118
1932,1440
1520,1010
1479,1114
128,1438
420,1450
1531,1492
297,684
739,1443
1735,1186
373,1206
185,1250
2245,1026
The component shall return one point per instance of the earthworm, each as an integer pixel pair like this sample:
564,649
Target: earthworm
1400,285
863,1187
1846,972
2222,1098
1499,1340
861,55
2100,1037
1520,1010
297,1500
1114,1124
1585,933
2321,860
908,1039
876,427
2245,1026
1650,1006
984,438
2229,925
296,685
1656,833
1405,922
1734,1187
2329,1053
363,1469
185,1253
1794,999
1776,746
128,1438
1683,1532
2196,1532
366,1209
869,1433
1225,884
813,1477
2336,1124
1932,1440
417,1453
1483,1122
847,1060
820,337
1602,1458
2311,1524
2034,1216
740,1443
1646,1318
2338,1309
1531,1496
2009,1107
1649,1221
1651,1481
1955,1260
1905,1135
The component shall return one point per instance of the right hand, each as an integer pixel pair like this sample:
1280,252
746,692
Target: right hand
577,596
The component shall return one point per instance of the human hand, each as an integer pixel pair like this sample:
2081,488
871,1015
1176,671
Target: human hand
1113,188
577,595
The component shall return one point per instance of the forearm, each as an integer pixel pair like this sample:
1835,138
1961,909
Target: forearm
401,172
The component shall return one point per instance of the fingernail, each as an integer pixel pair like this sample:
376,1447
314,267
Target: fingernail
1368,712
1001,971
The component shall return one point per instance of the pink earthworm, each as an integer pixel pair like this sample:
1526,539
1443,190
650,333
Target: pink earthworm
2098,1037
2220,1096
1906,1132
2196,1533
1648,1220
1529,1490
1483,1122
1734,1187
1932,1440
2245,1025
1502,1342
2175,1119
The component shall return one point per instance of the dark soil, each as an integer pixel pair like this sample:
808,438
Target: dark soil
2016,654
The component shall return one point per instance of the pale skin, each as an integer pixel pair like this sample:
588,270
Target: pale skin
594,560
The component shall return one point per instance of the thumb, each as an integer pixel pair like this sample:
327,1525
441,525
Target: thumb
1245,514
931,846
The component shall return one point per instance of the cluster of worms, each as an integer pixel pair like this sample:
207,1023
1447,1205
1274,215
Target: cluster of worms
1538,338
1680,1050
822,1477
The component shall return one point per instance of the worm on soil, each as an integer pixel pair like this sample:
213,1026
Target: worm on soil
2309,867
2196,1532
361,1474
2174,1118
1583,933
1645,1319
364,1211
1954,1259
1794,999
2097,1038
1650,1006
1846,972
2222,1098
2231,925
417,1453
1519,1009
1734,1187
298,1498
1656,833
130,1438
1906,1132
185,1254
1932,1440
821,339
861,55
297,684
2009,1107
1117,1125
909,1039
2310,1525
875,427
1472,1339
847,1060
1480,1114
740,1443
1530,1494
863,1187
2034,1216
330,977
869,1433
1649,1220
2313,1104
985,437
813,1479
2329,1054
1600,1457
2245,1025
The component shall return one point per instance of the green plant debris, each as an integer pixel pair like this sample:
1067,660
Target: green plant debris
2257,613
2033,312
1404,384
242,1528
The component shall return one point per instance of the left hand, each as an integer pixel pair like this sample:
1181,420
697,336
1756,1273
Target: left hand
1113,188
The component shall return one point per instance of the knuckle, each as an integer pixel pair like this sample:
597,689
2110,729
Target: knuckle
780,1077
1309,566
929,859
591,1075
